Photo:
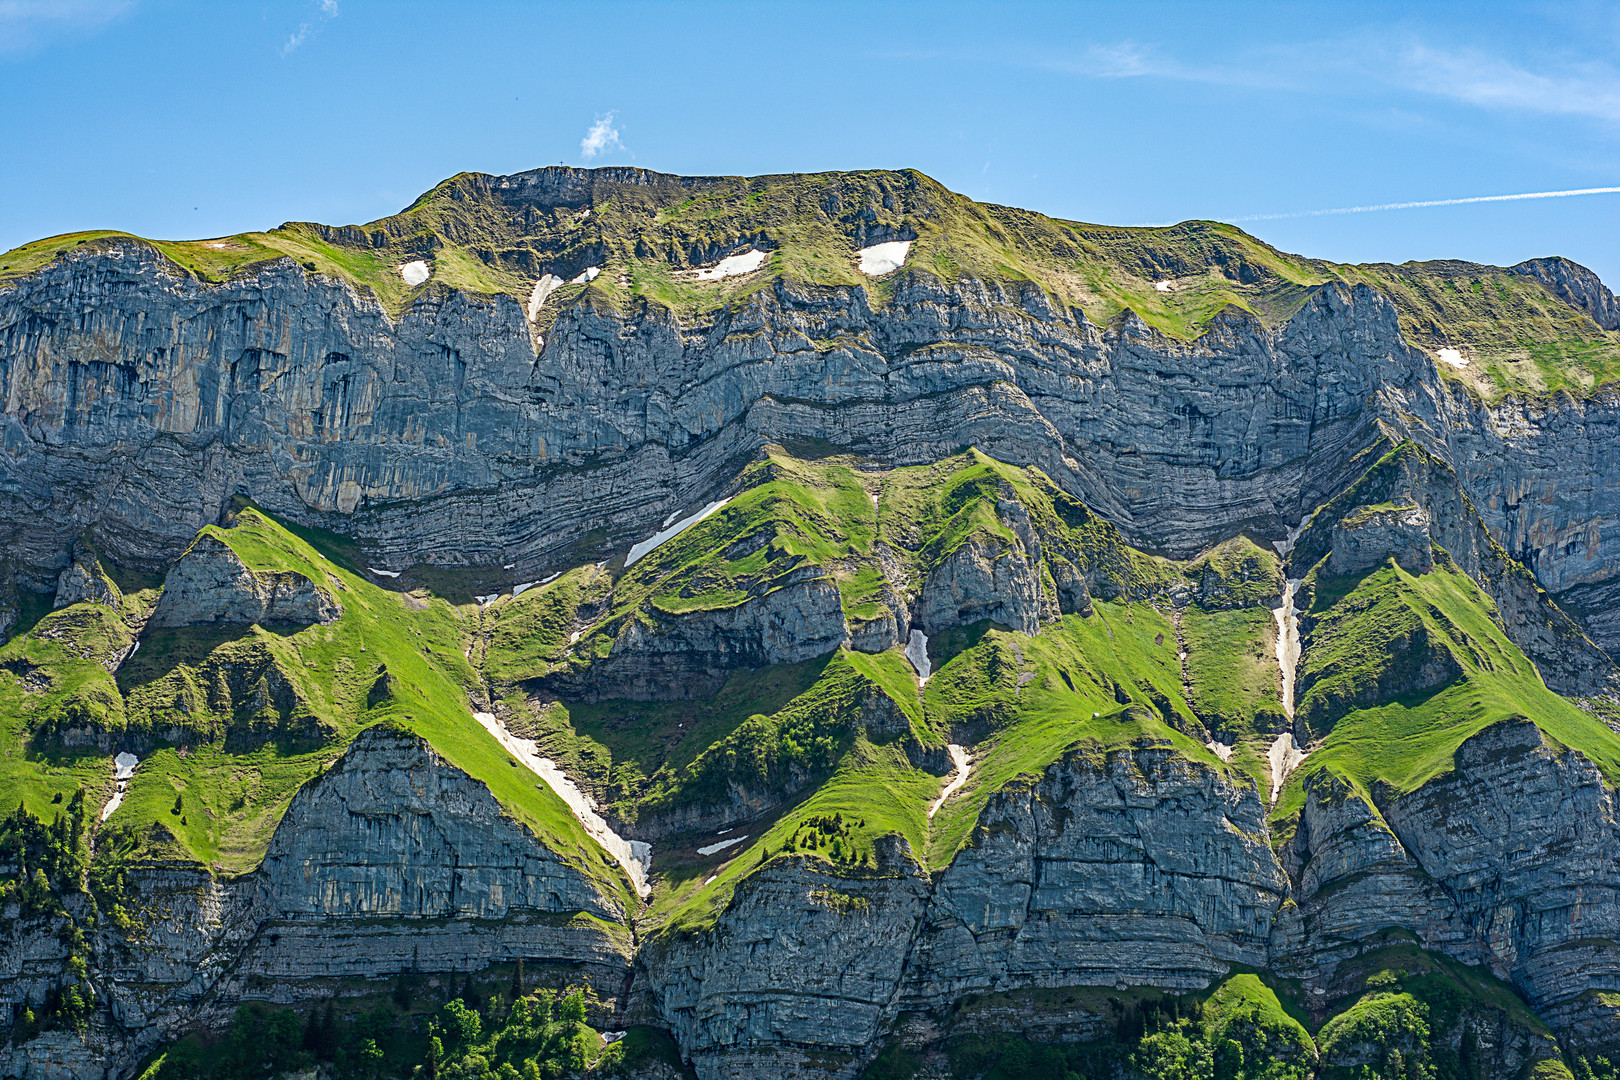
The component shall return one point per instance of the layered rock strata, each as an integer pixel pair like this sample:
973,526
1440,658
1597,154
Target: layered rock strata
392,861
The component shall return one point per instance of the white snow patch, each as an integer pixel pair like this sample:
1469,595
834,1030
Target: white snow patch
884,258
1454,357
382,573
1220,750
1163,286
519,590
959,756
575,636
611,1037
710,879
1284,757
543,288
730,266
710,849
485,601
588,274
633,855
1287,616
123,768
415,273
917,653
674,530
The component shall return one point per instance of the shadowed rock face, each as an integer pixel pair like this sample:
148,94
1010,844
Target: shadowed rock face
211,584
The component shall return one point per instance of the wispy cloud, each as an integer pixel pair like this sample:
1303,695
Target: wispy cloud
1432,202
27,23
1373,62
1492,82
326,10
601,139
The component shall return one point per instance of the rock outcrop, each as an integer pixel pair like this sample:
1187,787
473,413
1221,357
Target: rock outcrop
86,580
211,584
1368,537
1578,287
392,861
659,654
1508,861
982,579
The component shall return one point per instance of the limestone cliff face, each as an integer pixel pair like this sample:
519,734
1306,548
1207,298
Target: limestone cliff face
1508,861
1136,866
393,861
137,400
690,654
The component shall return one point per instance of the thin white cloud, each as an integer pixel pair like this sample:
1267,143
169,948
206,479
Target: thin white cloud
326,11
1470,76
601,139
1432,202
27,23
1491,82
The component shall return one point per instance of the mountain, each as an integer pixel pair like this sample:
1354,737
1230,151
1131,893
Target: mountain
810,626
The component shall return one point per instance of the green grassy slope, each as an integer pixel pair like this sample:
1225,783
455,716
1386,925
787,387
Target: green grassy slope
226,756
1399,669
486,236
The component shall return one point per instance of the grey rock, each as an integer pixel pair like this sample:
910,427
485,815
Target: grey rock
211,584
981,579
1368,537
85,580
1575,285
1507,861
393,860
657,655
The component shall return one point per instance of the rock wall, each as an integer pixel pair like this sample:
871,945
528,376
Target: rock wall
211,584
1509,861
138,400
392,861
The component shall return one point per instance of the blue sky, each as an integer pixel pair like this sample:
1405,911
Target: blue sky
182,120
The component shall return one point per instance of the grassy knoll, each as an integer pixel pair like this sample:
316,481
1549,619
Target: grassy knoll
230,722
1359,657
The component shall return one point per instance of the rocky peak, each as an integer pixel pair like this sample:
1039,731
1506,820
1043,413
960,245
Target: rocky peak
211,584
1576,286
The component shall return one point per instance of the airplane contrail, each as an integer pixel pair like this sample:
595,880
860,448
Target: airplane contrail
1432,202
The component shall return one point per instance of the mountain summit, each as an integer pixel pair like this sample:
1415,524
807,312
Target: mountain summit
598,621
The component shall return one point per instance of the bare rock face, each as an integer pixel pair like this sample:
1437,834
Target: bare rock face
85,580
1136,865
393,860
1507,861
1365,538
691,654
798,975
211,584
1138,862
981,580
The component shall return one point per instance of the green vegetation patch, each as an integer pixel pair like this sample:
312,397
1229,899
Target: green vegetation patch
1406,739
